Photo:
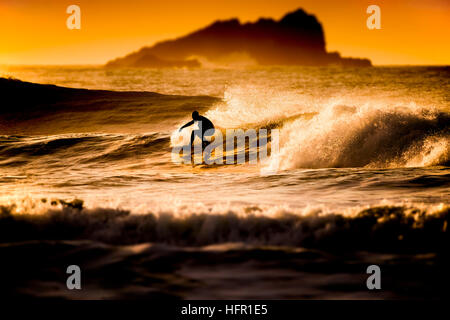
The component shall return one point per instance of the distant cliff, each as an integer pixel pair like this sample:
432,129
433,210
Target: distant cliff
296,39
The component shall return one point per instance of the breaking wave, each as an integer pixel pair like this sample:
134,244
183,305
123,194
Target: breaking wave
367,136
388,227
338,133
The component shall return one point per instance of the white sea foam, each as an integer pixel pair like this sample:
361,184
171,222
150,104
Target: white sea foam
340,132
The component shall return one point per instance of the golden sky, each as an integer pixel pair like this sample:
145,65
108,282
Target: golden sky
35,32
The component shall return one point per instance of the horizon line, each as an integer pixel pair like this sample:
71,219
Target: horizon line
253,66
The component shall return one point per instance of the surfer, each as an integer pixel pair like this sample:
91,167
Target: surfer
205,128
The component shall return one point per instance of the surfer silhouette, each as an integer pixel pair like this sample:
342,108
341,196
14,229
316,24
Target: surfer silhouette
205,128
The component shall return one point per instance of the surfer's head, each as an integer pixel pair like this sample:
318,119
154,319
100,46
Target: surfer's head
195,115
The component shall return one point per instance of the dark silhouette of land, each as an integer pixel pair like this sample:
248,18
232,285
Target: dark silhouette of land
296,39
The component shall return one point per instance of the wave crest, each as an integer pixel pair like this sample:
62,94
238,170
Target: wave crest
385,227
367,136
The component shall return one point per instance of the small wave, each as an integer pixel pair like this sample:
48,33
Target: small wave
80,148
39,146
133,146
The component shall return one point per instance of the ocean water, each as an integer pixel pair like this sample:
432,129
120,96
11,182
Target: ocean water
362,177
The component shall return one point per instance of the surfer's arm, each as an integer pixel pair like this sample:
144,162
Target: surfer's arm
190,123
